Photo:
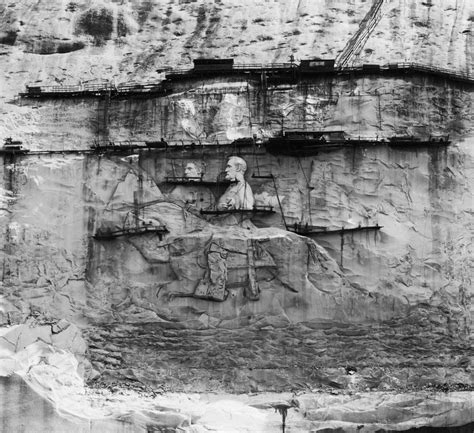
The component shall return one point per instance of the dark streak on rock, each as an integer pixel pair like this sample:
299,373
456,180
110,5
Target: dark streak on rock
9,37
467,428
49,46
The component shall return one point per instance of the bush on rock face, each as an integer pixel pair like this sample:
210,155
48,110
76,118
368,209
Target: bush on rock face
99,23
8,37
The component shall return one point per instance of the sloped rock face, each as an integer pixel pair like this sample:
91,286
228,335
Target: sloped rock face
140,37
47,394
236,303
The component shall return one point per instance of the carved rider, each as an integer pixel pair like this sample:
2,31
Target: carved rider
239,194
192,172
193,193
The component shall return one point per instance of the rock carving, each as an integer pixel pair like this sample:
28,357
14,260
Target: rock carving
193,171
193,194
238,195
213,285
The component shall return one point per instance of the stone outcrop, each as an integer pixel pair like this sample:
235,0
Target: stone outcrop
42,390
141,37
135,293
117,285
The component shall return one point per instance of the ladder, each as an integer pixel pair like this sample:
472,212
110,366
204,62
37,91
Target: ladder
358,40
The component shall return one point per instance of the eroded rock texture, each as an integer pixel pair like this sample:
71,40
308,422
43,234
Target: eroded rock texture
235,303
138,293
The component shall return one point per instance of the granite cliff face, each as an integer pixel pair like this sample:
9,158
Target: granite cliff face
386,311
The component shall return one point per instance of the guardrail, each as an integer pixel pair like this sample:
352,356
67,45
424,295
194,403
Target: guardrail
176,144
161,87
405,66
239,145
235,67
101,144
95,89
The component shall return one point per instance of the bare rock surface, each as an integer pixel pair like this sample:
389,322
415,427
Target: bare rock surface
228,322
43,391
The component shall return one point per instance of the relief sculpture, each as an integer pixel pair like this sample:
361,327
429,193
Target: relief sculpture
193,171
192,192
232,260
213,285
239,194
224,256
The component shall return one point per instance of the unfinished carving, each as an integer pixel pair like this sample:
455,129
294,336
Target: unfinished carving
238,195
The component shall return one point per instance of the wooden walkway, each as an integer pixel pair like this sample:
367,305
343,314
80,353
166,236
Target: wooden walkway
285,73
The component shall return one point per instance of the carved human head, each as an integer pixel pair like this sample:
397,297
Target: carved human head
193,170
236,168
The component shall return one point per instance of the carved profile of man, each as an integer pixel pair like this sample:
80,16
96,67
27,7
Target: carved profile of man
193,193
239,194
193,171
